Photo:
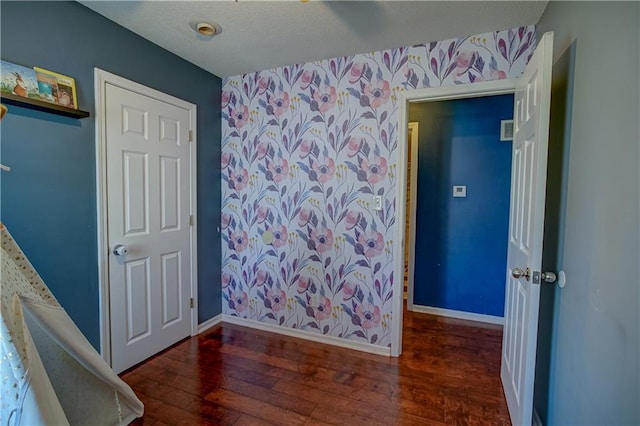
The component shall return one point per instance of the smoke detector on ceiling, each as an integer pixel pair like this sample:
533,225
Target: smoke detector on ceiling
206,30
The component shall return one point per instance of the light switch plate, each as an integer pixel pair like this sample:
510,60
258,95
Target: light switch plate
459,191
377,202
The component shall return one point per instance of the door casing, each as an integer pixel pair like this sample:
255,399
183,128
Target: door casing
413,199
101,78
430,94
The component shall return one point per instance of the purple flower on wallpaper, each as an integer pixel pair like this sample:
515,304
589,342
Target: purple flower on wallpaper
278,170
354,146
225,98
238,117
304,148
225,219
306,79
324,169
276,299
372,243
319,307
261,277
377,93
464,61
303,217
261,214
324,98
224,159
279,236
261,150
278,103
239,179
238,241
356,72
351,219
303,284
263,85
225,279
349,290
323,239
375,170
368,315
239,301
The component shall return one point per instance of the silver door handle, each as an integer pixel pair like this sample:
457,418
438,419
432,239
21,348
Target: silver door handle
548,277
120,250
518,273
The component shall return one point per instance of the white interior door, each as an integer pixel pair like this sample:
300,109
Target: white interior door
148,197
526,222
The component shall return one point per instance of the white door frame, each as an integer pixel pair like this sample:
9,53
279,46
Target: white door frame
472,90
101,78
413,198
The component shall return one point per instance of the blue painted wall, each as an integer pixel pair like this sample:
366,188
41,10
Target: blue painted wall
49,197
461,243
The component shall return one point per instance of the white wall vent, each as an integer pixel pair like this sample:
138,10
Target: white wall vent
506,130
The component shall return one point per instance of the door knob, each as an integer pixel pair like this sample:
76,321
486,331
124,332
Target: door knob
548,277
518,273
120,250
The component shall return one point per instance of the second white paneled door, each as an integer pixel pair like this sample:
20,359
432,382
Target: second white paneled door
148,174
526,226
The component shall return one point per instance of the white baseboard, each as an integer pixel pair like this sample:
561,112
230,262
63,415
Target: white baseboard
458,314
301,334
202,327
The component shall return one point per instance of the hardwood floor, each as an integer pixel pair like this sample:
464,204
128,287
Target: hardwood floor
449,373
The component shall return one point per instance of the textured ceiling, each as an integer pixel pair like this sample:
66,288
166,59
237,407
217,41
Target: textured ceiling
259,35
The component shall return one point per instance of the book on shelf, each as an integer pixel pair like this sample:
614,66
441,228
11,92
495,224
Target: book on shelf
57,88
18,80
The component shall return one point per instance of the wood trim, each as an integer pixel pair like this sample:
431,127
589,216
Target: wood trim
211,322
301,334
451,313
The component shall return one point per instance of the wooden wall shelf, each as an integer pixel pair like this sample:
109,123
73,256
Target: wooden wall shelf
10,99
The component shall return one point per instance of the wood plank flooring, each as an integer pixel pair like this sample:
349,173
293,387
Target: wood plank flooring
449,373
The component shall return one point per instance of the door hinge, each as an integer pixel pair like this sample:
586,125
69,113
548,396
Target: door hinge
190,135
191,302
190,220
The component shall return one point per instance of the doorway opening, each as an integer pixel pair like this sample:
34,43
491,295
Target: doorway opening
483,89
523,275
459,177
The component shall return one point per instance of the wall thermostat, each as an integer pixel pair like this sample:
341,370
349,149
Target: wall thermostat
459,190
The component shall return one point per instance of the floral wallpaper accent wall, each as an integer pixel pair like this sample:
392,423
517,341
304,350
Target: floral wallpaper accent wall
304,150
